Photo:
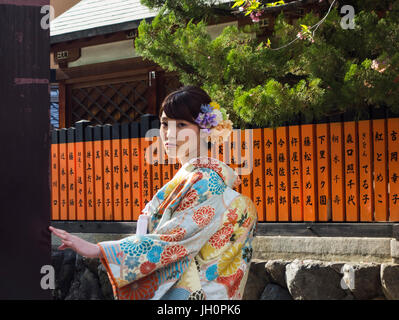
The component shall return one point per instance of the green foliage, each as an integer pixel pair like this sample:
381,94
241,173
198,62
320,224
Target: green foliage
191,9
321,74
250,6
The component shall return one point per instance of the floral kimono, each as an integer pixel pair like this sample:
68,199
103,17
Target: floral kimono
198,244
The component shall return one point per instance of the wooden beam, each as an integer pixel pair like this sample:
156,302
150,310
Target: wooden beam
103,69
92,41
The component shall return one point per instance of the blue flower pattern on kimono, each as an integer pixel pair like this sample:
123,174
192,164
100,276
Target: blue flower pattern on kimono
211,273
216,184
154,254
137,248
132,262
131,276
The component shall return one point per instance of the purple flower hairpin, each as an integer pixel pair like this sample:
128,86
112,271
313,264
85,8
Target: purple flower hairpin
206,121
214,121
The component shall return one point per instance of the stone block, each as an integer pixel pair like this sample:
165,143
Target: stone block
275,292
313,280
390,280
363,280
395,250
276,270
257,280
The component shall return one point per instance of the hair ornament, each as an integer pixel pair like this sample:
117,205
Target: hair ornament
215,122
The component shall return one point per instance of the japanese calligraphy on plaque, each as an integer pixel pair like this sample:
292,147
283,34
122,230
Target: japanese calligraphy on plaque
295,170
351,171
283,190
337,172
270,168
308,174
55,177
393,165
366,198
323,172
257,174
380,170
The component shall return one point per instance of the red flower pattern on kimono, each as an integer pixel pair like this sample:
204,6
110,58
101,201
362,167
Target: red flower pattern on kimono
142,289
147,267
220,238
203,215
209,164
232,216
176,234
188,200
231,282
172,254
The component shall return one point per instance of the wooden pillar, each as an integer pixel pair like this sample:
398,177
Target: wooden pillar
62,105
161,90
152,92
25,151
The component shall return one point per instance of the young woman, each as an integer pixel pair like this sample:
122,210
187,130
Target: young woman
194,237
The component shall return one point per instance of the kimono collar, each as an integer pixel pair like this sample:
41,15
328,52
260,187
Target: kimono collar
229,175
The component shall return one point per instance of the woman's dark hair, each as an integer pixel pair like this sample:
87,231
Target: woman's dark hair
184,103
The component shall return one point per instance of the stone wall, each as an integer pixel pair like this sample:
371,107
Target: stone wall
322,280
79,278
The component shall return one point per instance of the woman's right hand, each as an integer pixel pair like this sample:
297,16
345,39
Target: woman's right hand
80,246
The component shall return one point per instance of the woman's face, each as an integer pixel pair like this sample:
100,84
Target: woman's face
180,138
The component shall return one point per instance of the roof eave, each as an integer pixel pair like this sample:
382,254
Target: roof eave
99,31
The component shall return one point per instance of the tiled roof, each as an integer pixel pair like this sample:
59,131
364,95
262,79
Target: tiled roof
87,17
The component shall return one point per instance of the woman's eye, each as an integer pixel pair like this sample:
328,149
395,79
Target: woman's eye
164,124
181,125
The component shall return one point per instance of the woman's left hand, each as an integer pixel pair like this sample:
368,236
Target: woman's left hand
80,246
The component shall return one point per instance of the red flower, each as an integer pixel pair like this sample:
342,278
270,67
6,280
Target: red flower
142,289
188,200
220,238
147,267
173,253
203,215
232,282
232,215
176,234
